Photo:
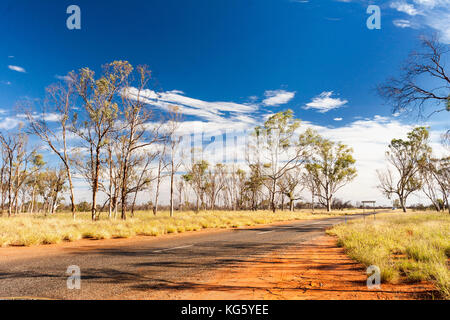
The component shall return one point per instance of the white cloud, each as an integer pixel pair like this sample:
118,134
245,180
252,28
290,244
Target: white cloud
402,23
211,111
434,14
277,97
324,102
9,123
17,68
405,7
440,21
337,119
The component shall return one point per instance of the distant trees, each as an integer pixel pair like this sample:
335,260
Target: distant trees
17,160
101,128
196,177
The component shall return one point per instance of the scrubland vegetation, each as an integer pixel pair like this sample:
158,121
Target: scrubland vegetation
413,245
28,230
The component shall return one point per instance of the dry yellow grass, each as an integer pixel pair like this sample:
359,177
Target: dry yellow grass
27,230
416,245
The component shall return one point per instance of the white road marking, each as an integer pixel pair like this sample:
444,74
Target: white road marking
174,248
265,232
315,223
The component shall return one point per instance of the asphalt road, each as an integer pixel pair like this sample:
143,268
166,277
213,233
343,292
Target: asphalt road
174,263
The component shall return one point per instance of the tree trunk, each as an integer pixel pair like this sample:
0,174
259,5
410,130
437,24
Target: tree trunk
95,186
155,206
180,204
10,191
124,188
110,205
72,197
32,200
171,189
402,203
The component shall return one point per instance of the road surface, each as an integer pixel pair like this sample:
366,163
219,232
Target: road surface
133,268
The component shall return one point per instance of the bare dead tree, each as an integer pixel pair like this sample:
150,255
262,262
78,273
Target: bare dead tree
174,140
138,135
160,174
409,92
59,106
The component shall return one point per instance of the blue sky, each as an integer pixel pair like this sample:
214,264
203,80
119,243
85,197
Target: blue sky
316,57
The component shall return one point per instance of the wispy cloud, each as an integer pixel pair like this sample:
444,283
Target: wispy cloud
401,23
17,68
325,102
403,6
434,14
217,111
277,97
9,123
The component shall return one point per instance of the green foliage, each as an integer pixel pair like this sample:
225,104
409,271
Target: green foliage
408,157
331,165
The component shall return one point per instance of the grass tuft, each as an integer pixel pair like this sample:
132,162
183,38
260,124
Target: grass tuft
414,245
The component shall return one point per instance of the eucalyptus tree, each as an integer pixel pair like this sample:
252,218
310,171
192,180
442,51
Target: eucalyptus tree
330,166
254,185
215,183
406,157
32,181
437,172
290,186
196,176
275,150
100,110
